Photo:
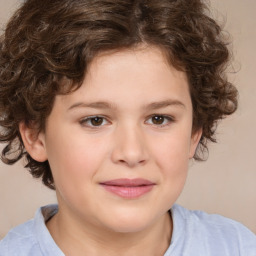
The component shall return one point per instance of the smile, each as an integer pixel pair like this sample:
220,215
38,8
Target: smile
128,188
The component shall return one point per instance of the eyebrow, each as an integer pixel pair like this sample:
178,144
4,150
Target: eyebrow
164,104
97,105
107,105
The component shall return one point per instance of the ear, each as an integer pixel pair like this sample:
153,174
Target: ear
195,138
34,142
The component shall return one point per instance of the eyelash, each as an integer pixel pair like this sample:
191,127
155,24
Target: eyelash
167,121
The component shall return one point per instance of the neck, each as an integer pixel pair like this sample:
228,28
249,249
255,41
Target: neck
76,238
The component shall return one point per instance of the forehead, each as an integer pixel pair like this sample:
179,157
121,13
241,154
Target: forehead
138,60
137,75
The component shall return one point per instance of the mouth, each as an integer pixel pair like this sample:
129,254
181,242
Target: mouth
128,188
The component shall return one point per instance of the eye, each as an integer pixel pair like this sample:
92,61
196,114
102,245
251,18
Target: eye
94,121
160,120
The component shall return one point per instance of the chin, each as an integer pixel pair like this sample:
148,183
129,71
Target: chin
129,223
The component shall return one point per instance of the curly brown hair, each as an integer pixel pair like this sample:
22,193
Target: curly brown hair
49,44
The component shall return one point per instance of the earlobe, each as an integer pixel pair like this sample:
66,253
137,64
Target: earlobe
195,138
34,142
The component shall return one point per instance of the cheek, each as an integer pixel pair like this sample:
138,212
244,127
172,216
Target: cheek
74,166
171,158
74,150
172,152
74,160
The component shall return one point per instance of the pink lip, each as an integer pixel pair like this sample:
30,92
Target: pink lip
128,188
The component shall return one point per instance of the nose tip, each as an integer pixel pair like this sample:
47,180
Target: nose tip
131,161
130,149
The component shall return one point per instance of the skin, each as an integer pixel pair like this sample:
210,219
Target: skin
127,142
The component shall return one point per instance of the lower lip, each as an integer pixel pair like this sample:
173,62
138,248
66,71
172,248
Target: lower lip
129,192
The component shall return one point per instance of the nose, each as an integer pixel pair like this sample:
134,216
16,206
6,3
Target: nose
130,147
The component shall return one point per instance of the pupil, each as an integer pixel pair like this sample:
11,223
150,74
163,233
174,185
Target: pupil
96,121
158,119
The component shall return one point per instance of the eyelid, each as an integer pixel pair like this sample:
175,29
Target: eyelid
169,118
82,121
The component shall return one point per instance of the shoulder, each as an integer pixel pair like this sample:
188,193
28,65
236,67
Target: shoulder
19,241
212,232
31,238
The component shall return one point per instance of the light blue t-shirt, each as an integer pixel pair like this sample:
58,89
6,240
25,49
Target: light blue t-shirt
195,233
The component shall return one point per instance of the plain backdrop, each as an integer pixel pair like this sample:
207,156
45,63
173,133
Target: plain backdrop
224,184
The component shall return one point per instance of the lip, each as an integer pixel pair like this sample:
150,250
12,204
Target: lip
128,188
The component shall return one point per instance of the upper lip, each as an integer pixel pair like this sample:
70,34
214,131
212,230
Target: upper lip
128,182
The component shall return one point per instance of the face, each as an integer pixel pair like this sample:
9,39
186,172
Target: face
119,146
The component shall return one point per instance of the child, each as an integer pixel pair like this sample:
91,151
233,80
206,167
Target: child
108,100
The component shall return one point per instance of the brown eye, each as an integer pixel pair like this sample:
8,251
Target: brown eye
158,119
96,121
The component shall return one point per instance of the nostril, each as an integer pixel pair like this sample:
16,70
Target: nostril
132,163
130,151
